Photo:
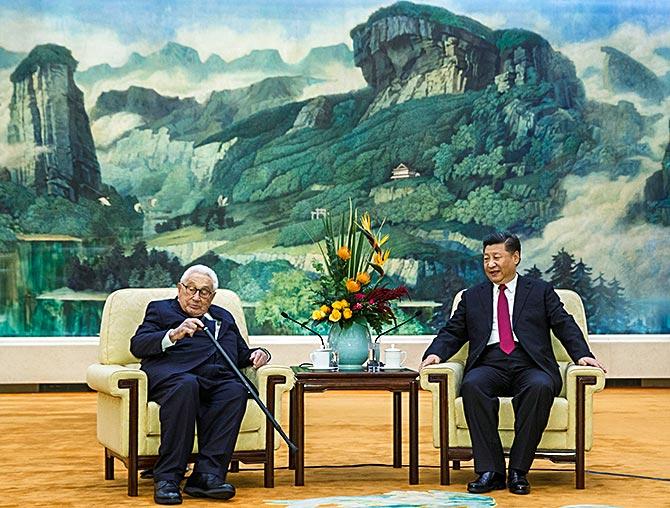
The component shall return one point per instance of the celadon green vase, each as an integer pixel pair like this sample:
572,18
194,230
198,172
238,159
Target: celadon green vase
351,343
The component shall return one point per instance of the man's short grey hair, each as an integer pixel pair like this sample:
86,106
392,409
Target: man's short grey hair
202,269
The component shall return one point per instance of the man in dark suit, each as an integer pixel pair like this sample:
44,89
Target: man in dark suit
192,384
507,322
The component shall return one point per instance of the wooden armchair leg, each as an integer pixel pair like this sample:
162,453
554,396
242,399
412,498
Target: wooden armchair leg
234,466
109,465
580,438
444,426
269,474
269,466
132,476
133,416
456,465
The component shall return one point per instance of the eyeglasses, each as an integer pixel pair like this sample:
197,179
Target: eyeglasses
192,290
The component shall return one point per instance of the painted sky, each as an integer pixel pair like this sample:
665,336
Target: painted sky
109,30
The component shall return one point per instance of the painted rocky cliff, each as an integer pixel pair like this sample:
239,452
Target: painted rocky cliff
409,51
47,116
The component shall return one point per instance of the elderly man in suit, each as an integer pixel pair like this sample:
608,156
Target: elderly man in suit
507,321
192,384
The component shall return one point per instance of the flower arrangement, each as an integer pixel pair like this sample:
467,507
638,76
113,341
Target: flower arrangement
351,287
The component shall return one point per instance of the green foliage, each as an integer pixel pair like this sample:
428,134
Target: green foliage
41,55
300,233
425,203
7,237
448,155
289,292
511,38
561,270
335,199
485,206
478,166
113,270
87,219
269,121
414,327
607,309
56,215
534,272
252,280
15,199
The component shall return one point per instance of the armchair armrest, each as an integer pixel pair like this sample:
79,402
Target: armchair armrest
454,372
263,373
105,379
574,372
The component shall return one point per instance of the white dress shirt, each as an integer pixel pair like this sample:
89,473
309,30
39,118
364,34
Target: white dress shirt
510,291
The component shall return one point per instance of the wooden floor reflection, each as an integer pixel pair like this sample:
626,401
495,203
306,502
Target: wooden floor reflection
51,456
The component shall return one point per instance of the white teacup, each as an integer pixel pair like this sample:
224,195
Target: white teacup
323,358
394,358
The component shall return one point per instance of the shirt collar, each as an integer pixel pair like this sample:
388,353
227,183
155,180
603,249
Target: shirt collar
511,285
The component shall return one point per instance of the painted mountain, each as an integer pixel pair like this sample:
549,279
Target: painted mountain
447,129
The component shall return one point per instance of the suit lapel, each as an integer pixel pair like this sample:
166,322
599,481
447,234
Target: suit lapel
520,297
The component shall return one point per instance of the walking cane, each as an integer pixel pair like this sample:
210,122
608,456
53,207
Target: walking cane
245,382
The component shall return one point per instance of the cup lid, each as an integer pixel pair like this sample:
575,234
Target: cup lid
392,348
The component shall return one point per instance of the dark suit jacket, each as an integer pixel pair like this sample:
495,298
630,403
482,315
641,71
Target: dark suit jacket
537,310
189,352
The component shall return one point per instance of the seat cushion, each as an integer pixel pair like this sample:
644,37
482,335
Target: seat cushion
558,417
252,421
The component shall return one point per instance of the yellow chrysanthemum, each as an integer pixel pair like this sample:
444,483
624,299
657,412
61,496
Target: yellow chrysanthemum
317,315
347,313
363,278
325,309
335,316
353,286
344,253
337,305
344,303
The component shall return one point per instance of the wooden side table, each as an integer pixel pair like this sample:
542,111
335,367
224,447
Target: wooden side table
396,381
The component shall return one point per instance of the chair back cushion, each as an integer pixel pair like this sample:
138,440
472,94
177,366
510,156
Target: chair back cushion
124,311
573,305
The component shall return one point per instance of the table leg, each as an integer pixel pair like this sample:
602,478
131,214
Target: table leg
414,432
397,429
291,426
300,434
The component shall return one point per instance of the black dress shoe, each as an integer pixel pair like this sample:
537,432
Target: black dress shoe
208,485
167,492
487,482
517,483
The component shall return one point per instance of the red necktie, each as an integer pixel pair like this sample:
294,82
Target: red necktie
504,325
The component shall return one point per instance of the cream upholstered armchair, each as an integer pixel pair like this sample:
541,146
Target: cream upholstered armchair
569,431
127,423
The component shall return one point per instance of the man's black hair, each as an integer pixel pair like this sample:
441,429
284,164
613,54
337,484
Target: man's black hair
512,243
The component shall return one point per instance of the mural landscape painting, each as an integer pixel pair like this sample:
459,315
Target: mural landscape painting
122,173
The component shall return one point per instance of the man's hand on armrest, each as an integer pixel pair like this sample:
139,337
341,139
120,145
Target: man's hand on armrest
592,362
430,360
259,357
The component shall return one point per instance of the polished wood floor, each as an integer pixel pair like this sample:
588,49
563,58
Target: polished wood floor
50,456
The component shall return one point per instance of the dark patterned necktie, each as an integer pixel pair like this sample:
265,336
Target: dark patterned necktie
504,325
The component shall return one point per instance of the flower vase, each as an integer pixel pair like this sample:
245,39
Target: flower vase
351,343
